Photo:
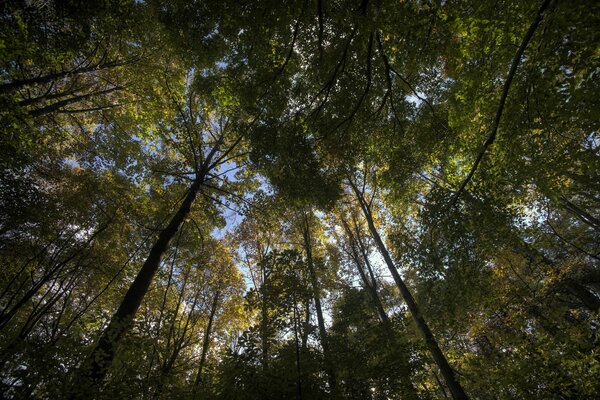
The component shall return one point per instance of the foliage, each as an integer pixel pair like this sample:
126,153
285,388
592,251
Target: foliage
263,167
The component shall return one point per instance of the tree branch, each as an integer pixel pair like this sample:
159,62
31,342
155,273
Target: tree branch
507,83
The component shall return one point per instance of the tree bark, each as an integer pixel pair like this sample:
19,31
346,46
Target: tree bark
264,318
371,287
297,345
102,356
206,341
450,378
332,379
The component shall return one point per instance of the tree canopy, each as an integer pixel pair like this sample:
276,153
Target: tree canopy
299,200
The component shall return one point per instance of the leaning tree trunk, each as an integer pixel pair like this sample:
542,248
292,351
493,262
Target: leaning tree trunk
332,379
439,358
369,283
371,286
298,351
264,319
206,341
102,356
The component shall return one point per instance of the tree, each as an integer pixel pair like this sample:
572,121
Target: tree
212,139
441,361
355,245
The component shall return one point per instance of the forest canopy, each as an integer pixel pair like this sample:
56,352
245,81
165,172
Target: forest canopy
326,199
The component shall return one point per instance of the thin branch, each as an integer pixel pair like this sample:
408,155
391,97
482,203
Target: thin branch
223,156
17,83
507,83
59,104
292,45
234,157
246,201
365,92
562,238
83,110
219,202
320,34
329,84
220,174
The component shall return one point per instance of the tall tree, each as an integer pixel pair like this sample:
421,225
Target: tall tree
432,344
316,290
212,142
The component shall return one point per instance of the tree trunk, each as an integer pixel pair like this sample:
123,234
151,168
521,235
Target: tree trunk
264,319
297,345
102,356
306,325
371,287
206,341
179,343
6,314
589,299
320,320
439,358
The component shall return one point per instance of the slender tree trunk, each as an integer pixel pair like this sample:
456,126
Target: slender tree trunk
46,303
306,325
206,341
8,313
180,342
370,285
297,343
375,299
165,370
455,388
102,356
440,385
320,320
582,215
159,323
264,318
